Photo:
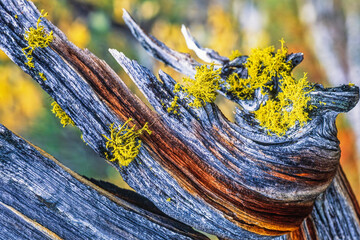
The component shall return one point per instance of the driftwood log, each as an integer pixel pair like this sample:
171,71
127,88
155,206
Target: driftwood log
228,179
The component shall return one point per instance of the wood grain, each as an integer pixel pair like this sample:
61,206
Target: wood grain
52,202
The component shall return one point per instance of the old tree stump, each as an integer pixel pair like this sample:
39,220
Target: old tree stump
197,170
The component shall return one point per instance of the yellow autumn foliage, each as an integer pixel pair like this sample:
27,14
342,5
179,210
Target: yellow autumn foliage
224,32
78,33
20,99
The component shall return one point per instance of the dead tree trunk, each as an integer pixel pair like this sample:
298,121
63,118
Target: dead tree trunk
196,169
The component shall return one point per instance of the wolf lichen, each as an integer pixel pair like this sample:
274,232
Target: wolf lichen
204,87
268,71
234,54
288,108
174,106
124,143
42,76
60,113
36,38
262,66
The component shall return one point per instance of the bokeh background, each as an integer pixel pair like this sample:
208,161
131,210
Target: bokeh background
327,32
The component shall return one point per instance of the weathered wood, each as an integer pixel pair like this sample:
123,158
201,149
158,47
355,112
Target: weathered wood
43,199
336,212
88,105
228,179
321,127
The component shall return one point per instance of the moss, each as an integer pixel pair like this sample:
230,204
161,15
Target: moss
36,38
124,143
60,113
204,87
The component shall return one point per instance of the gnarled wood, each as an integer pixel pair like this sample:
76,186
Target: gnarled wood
228,179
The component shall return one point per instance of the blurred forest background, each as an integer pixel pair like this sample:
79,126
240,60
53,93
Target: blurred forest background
327,32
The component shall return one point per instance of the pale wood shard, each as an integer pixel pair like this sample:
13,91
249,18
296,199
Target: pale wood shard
205,54
228,179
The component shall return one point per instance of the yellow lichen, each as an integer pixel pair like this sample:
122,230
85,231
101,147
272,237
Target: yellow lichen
42,76
60,113
204,87
168,200
288,108
262,66
174,106
242,88
284,109
124,143
234,54
82,138
36,38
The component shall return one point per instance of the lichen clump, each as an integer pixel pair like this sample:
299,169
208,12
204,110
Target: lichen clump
174,106
42,76
289,105
287,99
36,38
60,113
288,108
263,66
234,54
124,143
202,89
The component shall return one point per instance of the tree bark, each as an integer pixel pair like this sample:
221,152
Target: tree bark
228,179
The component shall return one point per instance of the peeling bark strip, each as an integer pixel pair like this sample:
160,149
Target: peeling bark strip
228,179
52,202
